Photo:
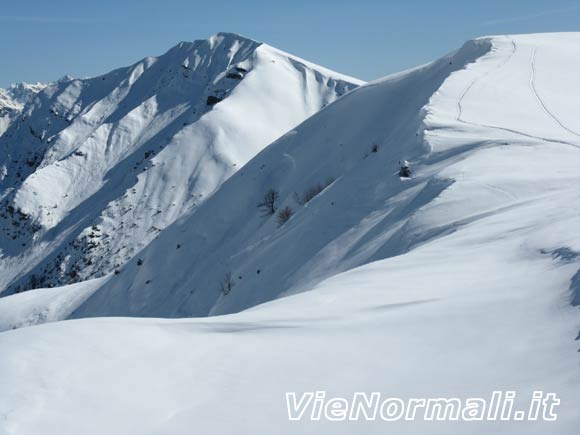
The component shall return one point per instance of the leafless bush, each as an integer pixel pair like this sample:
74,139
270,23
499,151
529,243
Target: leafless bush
268,203
313,191
227,283
284,214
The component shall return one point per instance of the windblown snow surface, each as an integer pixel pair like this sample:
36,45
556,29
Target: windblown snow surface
94,169
456,282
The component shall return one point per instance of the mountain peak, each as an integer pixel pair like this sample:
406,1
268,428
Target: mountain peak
233,36
168,130
214,54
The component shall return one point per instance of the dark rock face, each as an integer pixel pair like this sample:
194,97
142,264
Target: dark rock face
212,100
575,289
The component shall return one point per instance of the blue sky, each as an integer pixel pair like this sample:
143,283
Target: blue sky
43,40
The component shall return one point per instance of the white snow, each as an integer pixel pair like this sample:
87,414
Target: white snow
13,100
132,151
453,283
44,305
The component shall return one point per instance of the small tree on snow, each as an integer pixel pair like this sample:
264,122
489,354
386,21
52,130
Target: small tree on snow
268,203
284,215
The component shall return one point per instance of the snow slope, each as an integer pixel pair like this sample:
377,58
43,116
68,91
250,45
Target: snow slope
454,283
44,305
436,116
444,333
94,169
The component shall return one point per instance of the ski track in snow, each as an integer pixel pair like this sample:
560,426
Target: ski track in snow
475,80
542,105
541,102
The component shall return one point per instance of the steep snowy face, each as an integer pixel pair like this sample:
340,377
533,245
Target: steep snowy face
94,169
481,129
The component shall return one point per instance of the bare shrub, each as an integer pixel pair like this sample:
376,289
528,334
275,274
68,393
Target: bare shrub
284,215
268,203
313,191
227,283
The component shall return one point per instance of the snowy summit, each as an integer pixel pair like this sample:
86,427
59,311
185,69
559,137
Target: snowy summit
92,170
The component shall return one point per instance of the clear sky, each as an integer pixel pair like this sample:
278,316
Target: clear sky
42,40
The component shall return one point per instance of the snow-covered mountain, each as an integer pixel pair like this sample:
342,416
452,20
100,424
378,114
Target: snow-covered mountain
94,169
457,281
13,99
364,212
